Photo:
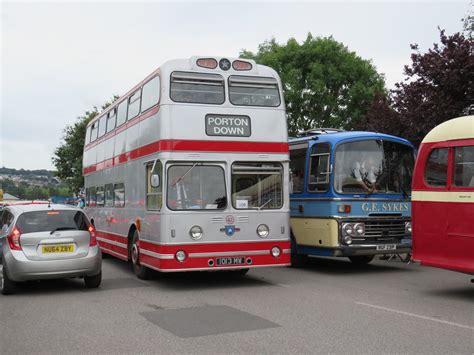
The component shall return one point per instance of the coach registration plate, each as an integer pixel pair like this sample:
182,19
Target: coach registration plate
63,248
230,261
387,247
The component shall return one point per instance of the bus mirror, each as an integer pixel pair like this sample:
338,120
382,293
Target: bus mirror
155,180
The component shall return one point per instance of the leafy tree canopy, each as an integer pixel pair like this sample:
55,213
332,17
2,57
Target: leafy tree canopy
68,156
439,85
325,84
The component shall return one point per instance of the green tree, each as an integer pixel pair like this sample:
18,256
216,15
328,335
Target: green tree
324,84
68,156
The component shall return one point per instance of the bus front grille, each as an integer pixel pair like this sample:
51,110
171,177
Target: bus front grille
381,231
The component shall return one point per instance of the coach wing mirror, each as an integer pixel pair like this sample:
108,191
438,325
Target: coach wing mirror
155,180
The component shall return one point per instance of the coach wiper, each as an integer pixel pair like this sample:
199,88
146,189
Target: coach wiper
184,175
266,203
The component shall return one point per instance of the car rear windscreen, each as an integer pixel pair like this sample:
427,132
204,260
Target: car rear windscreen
47,221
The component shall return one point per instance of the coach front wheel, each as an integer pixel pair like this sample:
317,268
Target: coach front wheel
141,271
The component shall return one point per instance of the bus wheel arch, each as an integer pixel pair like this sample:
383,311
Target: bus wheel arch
142,272
297,260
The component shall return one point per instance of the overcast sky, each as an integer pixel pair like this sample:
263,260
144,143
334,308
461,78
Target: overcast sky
60,59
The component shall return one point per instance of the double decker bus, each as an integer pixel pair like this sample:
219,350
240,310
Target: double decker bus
350,195
189,169
443,197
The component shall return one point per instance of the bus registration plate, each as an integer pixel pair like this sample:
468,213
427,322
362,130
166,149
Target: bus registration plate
230,261
387,247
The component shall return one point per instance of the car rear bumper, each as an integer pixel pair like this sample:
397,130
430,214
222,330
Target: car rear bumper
20,268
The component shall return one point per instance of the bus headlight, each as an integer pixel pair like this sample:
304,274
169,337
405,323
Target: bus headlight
407,228
180,256
276,252
348,229
263,231
359,229
195,232
347,240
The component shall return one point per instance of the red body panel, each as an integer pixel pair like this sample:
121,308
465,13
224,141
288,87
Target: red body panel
244,249
443,224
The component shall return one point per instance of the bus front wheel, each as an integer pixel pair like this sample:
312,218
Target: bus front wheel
141,271
361,259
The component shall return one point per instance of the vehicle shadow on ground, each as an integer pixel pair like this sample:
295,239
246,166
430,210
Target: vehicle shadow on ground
46,287
196,280
343,266
465,293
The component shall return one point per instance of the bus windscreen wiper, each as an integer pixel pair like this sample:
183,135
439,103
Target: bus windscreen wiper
184,175
266,203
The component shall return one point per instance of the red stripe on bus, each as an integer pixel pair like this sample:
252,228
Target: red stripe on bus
189,145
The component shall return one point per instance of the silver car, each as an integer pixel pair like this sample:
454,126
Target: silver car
46,241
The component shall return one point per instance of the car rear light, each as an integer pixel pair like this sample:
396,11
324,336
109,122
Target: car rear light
209,63
241,65
14,239
93,240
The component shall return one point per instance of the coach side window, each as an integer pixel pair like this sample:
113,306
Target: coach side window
134,105
464,166
109,195
102,123
122,113
154,194
151,93
88,135
119,195
100,196
111,118
297,166
436,169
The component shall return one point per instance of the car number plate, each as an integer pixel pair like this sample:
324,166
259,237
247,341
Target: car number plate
230,261
63,248
387,247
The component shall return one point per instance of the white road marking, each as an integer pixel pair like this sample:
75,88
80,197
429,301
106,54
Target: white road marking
416,315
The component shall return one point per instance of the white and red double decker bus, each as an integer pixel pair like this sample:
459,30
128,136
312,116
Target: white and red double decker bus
189,169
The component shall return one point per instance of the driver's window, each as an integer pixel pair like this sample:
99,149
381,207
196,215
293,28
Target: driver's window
319,168
154,194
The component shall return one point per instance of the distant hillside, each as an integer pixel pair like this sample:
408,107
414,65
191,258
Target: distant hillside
27,173
32,184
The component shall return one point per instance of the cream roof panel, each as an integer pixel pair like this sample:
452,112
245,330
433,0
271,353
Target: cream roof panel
457,128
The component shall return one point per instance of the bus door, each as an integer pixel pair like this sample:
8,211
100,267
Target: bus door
461,212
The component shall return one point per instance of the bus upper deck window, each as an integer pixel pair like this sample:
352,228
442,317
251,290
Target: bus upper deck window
197,88
253,91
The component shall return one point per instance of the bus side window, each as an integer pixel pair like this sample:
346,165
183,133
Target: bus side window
91,198
154,194
109,195
94,130
111,119
134,104
102,124
97,196
318,178
464,166
122,113
151,93
436,169
119,195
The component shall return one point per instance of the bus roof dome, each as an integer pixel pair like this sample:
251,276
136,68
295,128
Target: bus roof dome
457,128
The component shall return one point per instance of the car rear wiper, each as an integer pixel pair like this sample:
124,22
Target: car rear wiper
62,229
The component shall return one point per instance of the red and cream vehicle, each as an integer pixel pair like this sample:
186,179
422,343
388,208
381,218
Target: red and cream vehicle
189,169
443,197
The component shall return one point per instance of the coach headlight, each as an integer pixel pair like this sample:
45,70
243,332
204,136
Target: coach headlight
359,229
407,228
195,232
263,231
348,229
